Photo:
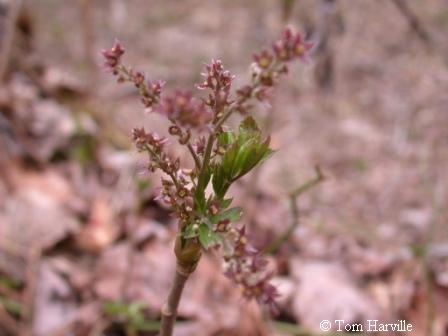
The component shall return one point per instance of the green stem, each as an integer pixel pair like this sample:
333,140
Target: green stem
195,157
273,247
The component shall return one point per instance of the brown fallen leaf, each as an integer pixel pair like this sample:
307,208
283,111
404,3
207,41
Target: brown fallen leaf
326,291
54,302
101,229
32,219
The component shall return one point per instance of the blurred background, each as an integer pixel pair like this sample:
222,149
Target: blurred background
84,249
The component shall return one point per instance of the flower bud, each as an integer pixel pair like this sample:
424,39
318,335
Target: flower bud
174,130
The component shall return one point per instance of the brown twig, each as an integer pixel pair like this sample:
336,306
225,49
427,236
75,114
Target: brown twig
8,39
414,22
33,262
169,310
277,243
89,40
287,9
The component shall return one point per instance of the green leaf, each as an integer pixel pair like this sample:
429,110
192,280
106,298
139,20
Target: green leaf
131,314
249,125
199,194
256,154
232,214
226,202
243,154
190,232
226,138
267,152
207,237
115,308
147,325
218,181
229,158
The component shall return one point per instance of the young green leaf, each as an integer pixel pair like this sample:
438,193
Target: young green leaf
207,237
232,214
249,125
242,155
219,181
190,231
199,194
226,138
226,202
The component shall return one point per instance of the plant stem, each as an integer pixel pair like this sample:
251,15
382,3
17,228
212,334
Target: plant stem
277,243
414,22
159,161
169,310
195,157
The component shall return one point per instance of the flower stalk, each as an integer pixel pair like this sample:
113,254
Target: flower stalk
221,156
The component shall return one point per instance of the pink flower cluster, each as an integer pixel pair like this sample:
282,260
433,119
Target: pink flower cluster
247,268
185,110
219,81
185,190
271,64
112,56
291,46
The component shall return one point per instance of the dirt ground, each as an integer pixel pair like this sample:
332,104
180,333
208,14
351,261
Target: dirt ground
84,248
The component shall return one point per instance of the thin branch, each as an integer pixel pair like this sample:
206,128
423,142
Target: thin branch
8,39
169,310
277,243
33,261
287,10
309,184
195,157
152,155
414,22
88,32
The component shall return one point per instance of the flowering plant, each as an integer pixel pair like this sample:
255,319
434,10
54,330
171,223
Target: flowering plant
221,156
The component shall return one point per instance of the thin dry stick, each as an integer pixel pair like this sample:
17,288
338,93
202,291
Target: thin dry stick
287,9
33,263
169,310
414,22
88,31
277,243
329,25
8,39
